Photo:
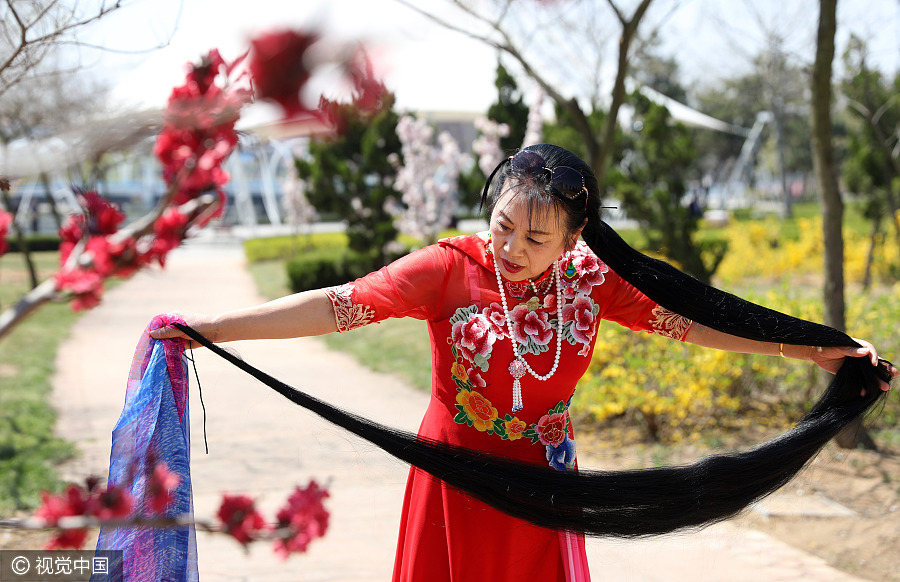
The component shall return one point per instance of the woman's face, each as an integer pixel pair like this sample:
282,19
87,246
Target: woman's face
525,246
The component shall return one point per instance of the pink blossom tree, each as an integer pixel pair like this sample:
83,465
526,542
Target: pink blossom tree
427,179
534,129
487,145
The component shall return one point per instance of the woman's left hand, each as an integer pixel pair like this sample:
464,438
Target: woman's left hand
830,359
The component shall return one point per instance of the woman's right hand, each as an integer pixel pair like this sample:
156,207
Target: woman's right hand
202,323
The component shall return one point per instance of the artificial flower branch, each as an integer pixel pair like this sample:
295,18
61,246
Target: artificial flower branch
200,209
300,521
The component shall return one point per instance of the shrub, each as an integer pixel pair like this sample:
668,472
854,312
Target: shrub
678,392
36,242
287,247
325,267
768,248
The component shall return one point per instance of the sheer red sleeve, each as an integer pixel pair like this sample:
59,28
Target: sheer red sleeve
412,286
624,304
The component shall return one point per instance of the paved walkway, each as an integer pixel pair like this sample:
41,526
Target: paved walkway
262,445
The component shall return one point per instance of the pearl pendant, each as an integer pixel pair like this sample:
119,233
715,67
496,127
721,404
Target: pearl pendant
517,371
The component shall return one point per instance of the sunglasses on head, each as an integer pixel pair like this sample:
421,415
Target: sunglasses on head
565,180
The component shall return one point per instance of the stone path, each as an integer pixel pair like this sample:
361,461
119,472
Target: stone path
262,445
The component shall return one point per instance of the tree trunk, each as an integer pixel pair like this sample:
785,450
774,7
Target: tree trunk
870,257
23,244
786,200
600,158
824,166
832,205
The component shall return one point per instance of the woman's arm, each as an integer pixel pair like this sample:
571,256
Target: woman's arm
302,314
829,359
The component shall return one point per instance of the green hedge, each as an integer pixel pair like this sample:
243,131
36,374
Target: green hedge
38,242
287,247
325,267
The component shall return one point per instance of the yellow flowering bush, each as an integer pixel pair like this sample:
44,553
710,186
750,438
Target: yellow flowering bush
673,391
678,392
761,249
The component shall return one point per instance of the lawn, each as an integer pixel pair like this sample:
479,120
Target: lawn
398,346
29,450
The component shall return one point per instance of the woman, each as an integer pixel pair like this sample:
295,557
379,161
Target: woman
512,316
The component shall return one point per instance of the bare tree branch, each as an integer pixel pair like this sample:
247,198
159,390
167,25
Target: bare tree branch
599,148
26,52
617,12
629,30
872,119
506,45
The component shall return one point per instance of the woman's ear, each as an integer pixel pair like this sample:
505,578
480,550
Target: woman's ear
573,238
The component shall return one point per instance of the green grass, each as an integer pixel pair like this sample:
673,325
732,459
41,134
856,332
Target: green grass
397,346
29,451
271,278
394,346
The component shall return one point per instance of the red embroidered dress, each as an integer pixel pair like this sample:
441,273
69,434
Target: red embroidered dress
446,535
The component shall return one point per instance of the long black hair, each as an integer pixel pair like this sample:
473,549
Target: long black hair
646,501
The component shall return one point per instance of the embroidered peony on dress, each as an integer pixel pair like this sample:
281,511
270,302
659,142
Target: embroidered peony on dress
446,535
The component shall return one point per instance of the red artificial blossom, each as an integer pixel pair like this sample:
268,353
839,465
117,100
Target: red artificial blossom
198,129
168,229
161,487
102,503
280,68
369,90
240,518
5,221
370,96
92,230
301,520
197,136
305,517
281,65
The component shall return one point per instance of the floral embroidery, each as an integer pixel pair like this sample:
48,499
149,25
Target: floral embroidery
552,431
475,410
475,330
475,379
590,270
552,428
562,457
494,313
517,289
459,372
514,428
669,323
580,322
532,330
348,315
472,336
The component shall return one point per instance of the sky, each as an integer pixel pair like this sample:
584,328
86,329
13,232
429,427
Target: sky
432,68
425,64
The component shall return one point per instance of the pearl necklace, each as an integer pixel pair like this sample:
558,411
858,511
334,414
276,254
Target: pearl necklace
519,366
